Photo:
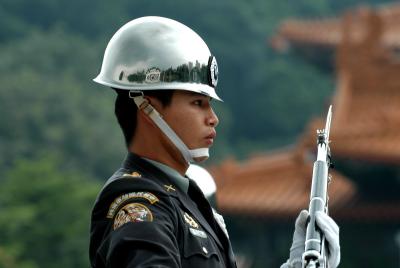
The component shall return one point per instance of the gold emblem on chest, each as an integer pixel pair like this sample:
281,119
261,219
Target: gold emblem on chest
190,220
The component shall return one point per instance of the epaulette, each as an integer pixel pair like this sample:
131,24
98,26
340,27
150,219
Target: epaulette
133,174
167,187
127,181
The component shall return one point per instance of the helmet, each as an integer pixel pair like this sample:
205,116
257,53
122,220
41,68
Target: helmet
156,53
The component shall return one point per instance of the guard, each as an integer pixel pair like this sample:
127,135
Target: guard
149,214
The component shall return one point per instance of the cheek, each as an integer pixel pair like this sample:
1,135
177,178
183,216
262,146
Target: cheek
183,118
186,124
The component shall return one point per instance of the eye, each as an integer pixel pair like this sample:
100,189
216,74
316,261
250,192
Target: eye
198,102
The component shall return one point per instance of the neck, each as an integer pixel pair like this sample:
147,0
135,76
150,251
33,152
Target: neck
160,149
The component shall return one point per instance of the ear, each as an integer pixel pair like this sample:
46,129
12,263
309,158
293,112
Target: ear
143,116
154,102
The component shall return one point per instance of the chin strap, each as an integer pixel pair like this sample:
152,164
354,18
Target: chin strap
195,155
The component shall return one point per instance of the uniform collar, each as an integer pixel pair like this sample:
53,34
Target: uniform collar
175,177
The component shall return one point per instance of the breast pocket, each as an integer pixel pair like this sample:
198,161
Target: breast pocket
199,250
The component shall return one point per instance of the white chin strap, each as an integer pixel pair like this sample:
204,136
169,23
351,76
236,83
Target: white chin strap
195,155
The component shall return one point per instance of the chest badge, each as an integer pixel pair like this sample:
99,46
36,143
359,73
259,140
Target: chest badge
190,220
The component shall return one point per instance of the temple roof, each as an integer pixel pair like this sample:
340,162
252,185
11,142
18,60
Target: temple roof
328,32
365,126
275,185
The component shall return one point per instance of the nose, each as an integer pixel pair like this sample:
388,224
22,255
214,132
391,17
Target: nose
212,119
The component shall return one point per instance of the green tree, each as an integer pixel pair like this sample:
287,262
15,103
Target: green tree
49,103
45,214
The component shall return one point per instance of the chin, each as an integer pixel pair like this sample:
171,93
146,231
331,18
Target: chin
200,159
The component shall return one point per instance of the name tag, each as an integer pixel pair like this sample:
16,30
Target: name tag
198,233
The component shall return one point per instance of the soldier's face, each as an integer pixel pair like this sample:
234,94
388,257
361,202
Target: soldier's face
191,116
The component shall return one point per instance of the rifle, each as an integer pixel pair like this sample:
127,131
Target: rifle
315,248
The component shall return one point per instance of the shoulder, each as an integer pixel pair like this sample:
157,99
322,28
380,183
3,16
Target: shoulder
133,219
123,182
135,197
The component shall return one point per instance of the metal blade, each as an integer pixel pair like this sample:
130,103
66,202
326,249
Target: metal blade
328,123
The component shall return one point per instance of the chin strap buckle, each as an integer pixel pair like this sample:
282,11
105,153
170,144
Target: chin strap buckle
142,103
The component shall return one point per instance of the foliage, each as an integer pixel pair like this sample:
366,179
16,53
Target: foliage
50,52
49,103
44,216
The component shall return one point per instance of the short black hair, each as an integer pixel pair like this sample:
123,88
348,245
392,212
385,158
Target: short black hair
126,109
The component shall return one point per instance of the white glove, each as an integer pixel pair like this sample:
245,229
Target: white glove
329,229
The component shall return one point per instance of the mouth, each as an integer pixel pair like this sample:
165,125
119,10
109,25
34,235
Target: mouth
210,138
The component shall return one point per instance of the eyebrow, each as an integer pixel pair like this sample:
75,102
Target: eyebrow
197,94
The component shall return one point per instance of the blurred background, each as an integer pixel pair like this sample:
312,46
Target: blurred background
281,64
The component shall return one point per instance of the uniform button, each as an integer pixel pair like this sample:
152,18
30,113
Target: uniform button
205,250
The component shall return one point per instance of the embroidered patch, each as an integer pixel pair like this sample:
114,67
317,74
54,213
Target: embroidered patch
198,233
132,212
190,220
121,199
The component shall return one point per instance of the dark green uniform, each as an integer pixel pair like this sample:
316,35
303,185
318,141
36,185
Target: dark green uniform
142,218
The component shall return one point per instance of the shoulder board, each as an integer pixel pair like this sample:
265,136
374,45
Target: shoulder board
133,174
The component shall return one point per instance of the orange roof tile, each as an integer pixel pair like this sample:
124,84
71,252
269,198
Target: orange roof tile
328,32
366,120
277,185
366,125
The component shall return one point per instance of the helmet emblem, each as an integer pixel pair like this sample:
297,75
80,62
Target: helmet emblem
153,75
213,71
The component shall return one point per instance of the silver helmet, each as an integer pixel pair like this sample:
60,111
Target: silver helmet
156,53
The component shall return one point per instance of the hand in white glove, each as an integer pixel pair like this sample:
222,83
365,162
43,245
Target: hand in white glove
329,229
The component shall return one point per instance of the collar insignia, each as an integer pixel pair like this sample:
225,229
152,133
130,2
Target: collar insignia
169,188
